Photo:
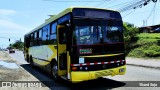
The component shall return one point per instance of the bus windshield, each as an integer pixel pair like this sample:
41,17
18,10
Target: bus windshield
96,31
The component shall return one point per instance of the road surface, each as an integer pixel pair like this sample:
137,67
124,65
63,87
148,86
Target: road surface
133,73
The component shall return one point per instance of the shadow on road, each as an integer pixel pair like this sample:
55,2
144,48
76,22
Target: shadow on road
98,84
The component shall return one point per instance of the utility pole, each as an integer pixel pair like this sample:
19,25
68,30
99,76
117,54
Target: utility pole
146,22
143,23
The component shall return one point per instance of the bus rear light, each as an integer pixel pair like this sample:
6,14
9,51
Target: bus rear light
74,68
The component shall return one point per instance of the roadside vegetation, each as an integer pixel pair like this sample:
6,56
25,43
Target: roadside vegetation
143,45
17,45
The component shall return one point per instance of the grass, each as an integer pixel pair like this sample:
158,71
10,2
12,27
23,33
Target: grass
149,35
147,45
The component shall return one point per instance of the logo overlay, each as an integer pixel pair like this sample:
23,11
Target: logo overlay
21,84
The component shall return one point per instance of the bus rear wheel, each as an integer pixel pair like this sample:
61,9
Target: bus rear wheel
31,62
55,72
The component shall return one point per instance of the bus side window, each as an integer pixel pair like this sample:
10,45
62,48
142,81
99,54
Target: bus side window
35,39
53,35
39,40
44,37
27,41
31,41
45,34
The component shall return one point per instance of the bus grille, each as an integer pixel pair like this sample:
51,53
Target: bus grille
104,73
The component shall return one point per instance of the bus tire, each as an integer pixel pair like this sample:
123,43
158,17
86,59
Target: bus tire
27,58
31,61
54,71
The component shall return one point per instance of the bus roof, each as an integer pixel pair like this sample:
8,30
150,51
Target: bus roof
55,17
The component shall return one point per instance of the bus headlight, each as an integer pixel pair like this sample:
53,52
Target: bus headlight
81,60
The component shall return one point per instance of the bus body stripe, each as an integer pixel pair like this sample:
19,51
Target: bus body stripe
98,63
102,62
88,64
91,63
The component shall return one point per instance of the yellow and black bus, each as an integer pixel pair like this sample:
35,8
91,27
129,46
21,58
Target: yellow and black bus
78,44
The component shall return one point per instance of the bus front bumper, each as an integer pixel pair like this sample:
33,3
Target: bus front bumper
78,76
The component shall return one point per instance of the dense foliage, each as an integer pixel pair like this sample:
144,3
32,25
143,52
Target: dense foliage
147,45
17,45
141,45
130,31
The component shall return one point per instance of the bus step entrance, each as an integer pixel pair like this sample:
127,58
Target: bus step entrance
64,77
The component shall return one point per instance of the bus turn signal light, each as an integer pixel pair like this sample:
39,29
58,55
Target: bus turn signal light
74,68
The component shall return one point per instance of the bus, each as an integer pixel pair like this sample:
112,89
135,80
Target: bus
78,44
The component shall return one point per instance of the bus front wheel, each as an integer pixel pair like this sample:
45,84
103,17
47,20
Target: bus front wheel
55,72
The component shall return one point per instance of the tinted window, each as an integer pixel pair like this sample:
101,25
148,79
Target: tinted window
53,35
45,34
53,28
62,36
35,35
31,41
97,31
64,19
27,41
40,33
32,36
35,39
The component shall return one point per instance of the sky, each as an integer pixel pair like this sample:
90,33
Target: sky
17,17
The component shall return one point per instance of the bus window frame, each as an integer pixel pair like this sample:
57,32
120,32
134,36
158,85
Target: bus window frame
35,39
45,38
32,39
53,35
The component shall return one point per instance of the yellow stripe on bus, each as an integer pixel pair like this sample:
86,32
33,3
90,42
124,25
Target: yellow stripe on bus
54,56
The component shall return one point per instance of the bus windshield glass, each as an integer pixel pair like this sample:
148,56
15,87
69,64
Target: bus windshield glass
89,31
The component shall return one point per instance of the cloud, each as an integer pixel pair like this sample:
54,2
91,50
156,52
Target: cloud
6,12
8,26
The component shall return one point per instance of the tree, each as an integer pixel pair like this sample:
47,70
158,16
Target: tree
130,32
18,45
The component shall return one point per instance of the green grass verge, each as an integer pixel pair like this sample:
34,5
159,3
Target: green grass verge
147,45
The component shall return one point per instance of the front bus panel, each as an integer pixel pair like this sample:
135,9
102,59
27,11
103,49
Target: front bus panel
98,45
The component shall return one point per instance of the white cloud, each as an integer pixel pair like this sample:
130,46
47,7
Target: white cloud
10,26
7,25
6,12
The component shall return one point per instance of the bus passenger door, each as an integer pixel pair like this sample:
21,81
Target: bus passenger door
62,52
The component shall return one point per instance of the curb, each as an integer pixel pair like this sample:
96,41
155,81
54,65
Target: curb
144,66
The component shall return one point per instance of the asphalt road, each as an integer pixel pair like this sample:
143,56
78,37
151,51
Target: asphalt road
133,73
18,56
